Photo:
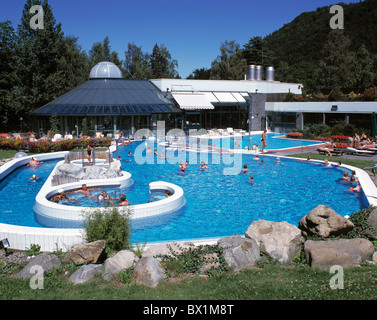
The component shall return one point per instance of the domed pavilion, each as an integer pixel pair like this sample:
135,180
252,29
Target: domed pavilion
109,103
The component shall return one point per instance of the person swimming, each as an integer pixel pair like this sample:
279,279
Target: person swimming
182,168
244,169
33,177
33,162
203,166
123,200
103,196
345,176
354,185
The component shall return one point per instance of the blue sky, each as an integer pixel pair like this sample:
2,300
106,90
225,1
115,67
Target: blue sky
192,30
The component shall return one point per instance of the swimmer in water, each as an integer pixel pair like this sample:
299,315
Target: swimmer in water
252,181
354,185
345,177
123,200
182,168
84,189
33,177
203,166
245,169
34,163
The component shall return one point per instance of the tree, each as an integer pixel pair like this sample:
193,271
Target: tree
365,75
229,65
7,71
337,67
201,73
255,52
101,51
136,63
161,63
37,55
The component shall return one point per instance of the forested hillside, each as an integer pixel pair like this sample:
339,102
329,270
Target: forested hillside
301,47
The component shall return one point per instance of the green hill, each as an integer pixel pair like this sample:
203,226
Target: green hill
299,47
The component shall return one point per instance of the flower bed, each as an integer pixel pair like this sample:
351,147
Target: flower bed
340,138
43,146
294,135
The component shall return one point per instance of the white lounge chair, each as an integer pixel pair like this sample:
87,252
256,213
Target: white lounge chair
359,152
56,137
230,130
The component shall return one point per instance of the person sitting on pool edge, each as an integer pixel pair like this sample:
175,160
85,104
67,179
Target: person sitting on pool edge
168,193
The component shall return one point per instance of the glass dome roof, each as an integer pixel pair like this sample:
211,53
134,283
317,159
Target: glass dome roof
105,70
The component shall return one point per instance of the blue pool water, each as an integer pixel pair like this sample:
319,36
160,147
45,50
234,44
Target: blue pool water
217,204
275,141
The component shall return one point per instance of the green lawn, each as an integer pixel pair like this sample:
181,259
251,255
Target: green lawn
5,154
270,283
359,163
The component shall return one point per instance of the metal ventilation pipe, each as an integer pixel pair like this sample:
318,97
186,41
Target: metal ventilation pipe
270,74
258,73
251,72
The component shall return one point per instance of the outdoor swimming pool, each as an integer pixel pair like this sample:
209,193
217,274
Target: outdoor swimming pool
217,204
275,141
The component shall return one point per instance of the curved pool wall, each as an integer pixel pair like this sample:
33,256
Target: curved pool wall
72,216
52,238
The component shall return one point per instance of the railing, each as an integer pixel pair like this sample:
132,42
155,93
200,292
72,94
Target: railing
80,155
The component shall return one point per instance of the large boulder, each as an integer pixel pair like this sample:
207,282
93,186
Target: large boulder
87,253
45,261
278,240
343,252
148,271
85,273
325,222
70,170
239,253
124,259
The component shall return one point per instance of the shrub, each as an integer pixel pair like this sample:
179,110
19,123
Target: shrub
362,228
349,130
190,260
110,224
290,97
337,129
335,95
370,94
319,129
